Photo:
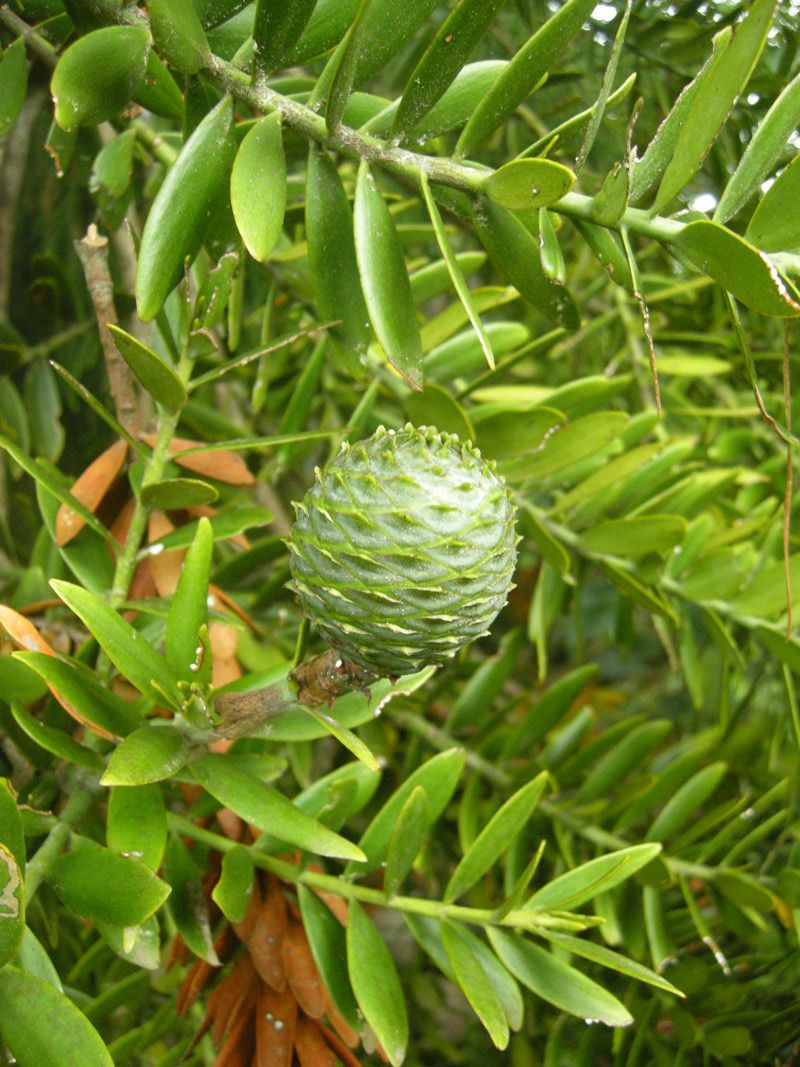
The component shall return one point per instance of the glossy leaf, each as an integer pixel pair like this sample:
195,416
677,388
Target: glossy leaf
683,805
137,823
443,59
774,225
605,957
523,73
340,73
475,984
58,742
572,889
277,28
32,1044
11,831
188,905
528,183
179,35
98,74
82,879
149,754
181,212
382,1002
157,377
384,280
188,611
258,186
557,982
569,444
268,809
495,837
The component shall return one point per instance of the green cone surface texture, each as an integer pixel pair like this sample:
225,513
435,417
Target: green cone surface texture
404,549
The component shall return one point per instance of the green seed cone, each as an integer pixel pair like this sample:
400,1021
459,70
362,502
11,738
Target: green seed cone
404,549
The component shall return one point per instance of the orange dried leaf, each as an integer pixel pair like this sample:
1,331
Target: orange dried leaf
339,1046
266,940
348,1035
165,566
311,1047
197,978
302,973
230,823
276,1019
122,523
244,929
89,489
233,998
225,466
223,639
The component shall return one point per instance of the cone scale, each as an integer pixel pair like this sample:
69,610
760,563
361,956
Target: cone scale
403,550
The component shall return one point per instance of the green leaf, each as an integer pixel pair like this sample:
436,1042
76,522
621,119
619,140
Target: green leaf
328,942
443,59
623,757
149,754
97,75
332,256
84,879
486,684
524,72
775,226
12,905
32,1044
174,493
550,709
570,890
384,280
516,254
635,537
137,823
268,809
495,837
58,742
714,99
457,278
179,35
232,892
156,376
277,28
188,905
258,186
182,210
33,959
159,92
761,154
611,473
13,84
680,808
605,957
528,183
227,524
434,406
438,777
382,1002
569,444
125,647
11,832
352,742
475,984
738,267
556,982
506,435
406,841
339,75
188,612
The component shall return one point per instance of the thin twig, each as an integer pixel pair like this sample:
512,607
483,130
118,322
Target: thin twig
787,500
93,253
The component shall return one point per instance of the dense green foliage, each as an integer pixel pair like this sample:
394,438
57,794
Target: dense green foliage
566,232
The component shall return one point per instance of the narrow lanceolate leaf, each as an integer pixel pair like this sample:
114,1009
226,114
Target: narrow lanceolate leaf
332,256
384,280
156,376
149,754
739,267
268,809
775,225
83,880
182,210
605,89
406,840
277,28
351,741
443,59
12,904
597,876
188,611
13,84
556,982
327,939
495,837
475,984
376,984
524,71
178,493
178,34
659,153
34,1045
340,74
515,251
258,186
528,183
11,831
125,647
714,100
454,270
137,823
605,957
683,805
762,153
98,74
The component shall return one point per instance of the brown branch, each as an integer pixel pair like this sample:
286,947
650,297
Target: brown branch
93,253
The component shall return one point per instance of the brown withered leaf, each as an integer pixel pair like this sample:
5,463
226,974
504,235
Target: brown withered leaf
348,1035
143,584
276,1019
193,984
311,1048
122,523
232,999
301,971
239,1043
89,489
338,905
223,639
165,566
230,823
266,939
225,466
341,1048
